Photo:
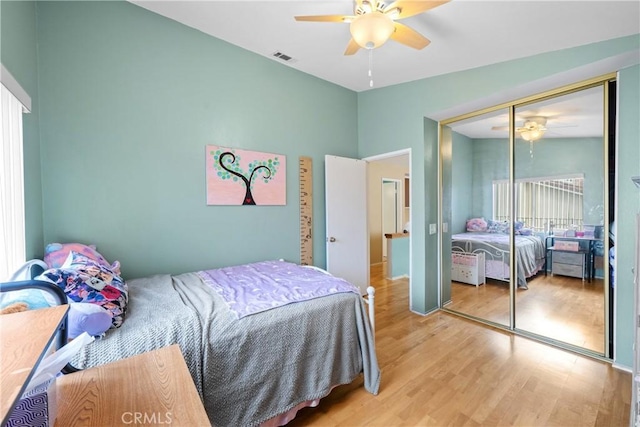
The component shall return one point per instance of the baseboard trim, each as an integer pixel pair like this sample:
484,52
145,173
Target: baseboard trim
624,368
427,313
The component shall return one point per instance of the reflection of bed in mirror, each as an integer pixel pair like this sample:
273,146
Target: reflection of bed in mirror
530,253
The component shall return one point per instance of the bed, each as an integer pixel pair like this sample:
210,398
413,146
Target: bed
530,253
250,367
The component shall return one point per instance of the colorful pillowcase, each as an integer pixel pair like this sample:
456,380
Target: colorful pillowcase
500,227
55,254
477,224
88,281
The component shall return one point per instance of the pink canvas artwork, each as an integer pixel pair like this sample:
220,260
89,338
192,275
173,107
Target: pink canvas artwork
243,177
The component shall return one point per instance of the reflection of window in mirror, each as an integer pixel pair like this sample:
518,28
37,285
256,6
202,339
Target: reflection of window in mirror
543,203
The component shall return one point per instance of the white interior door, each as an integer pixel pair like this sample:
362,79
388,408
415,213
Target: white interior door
347,225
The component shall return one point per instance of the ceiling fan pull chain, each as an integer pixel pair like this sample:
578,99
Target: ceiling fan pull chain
531,148
370,67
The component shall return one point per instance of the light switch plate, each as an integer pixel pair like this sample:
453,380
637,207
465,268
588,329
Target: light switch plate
445,227
432,229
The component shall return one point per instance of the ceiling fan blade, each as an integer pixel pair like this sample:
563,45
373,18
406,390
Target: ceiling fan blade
409,8
409,37
326,18
554,126
506,128
352,47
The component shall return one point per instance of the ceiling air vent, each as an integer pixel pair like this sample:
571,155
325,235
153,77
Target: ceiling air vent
284,57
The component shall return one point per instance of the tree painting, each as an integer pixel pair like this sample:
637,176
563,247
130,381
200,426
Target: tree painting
240,177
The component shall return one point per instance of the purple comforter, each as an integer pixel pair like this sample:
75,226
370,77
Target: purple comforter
252,288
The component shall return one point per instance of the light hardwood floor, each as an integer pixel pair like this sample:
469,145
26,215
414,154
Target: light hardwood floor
443,370
559,307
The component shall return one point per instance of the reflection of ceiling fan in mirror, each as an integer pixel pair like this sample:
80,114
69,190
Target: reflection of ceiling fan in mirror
373,22
532,129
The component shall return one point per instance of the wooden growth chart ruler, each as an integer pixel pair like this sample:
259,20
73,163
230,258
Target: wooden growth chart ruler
306,211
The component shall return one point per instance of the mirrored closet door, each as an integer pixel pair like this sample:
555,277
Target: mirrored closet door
476,248
525,213
559,165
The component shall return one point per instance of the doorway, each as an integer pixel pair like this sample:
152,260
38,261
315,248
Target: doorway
392,215
390,171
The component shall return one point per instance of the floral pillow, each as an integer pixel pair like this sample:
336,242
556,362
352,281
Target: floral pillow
85,280
55,254
500,227
476,224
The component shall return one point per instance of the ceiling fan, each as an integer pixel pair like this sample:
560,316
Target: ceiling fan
374,22
533,128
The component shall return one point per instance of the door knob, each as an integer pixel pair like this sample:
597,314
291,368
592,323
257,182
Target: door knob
332,239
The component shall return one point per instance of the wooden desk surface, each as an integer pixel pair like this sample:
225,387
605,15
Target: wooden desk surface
396,235
150,388
24,337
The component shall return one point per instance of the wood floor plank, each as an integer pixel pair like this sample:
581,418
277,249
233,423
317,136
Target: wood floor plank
444,370
563,308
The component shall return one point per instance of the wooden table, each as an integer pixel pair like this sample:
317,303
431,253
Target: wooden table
24,338
150,388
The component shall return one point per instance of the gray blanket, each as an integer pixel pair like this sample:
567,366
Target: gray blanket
252,369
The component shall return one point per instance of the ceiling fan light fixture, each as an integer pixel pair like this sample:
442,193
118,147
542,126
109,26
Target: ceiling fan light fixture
532,135
533,129
371,30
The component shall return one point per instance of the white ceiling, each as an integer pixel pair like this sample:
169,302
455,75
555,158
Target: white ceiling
579,114
464,34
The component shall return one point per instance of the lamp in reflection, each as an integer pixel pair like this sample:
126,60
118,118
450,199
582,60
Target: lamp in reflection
533,129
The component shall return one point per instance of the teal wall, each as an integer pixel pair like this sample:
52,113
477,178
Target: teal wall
399,257
627,207
461,183
551,157
129,99
407,105
449,144
430,215
18,53
490,162
564,156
